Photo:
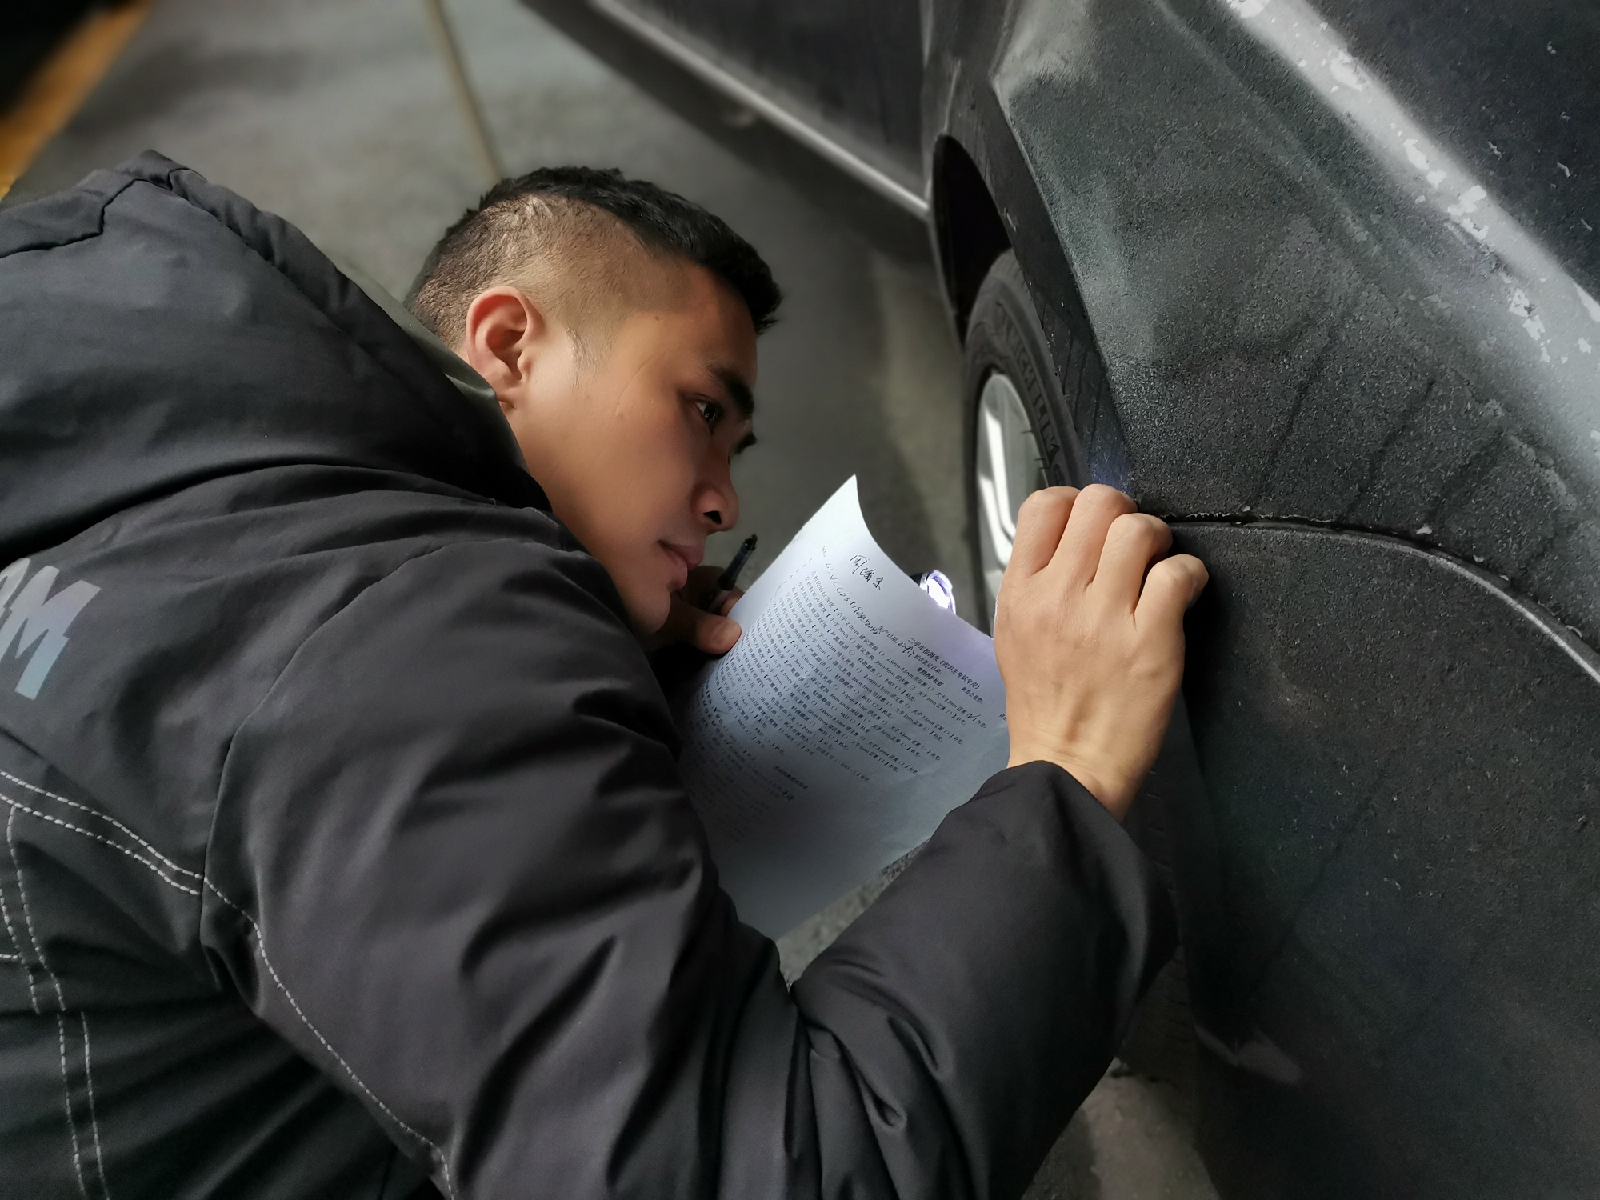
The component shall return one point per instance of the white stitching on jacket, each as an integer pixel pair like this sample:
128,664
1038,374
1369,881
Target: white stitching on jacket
16,956
33,997
167,862
261,949
66,1095
16,806
94,1121
61,1003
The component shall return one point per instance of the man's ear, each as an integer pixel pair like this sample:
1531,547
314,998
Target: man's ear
504,333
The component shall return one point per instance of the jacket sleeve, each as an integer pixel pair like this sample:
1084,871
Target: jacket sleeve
454,865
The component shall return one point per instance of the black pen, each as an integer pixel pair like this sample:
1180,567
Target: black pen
730,576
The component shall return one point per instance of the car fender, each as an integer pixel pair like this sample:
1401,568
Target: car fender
1289,331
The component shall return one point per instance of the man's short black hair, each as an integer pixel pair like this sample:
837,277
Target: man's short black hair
552,213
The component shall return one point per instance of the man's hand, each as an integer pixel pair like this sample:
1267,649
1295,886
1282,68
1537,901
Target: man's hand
691,619
1089,636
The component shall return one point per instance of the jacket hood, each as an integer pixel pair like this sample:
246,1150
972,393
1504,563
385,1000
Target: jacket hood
157,331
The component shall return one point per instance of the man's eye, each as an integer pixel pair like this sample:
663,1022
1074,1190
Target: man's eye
710,411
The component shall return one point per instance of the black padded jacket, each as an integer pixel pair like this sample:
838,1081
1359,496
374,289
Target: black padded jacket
344,842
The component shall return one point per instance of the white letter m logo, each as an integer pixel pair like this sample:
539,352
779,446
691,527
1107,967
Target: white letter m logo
38,620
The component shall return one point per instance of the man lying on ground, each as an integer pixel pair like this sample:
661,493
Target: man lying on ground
345,844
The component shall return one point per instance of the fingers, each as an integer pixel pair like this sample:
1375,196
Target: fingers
1171,587
1133,540
706,631
679,625
1078,555
1040,520
699,614
701,586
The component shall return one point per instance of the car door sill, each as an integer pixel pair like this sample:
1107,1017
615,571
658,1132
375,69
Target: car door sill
804,132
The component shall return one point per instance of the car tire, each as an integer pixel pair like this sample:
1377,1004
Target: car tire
1022,434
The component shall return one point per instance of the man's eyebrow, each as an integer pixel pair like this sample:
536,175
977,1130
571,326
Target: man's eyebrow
737,388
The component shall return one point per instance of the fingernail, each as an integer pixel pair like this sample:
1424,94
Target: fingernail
728,635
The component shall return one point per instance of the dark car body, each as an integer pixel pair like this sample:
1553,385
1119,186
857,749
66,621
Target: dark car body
1342,268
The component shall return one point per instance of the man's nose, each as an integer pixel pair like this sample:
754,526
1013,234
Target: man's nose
720,505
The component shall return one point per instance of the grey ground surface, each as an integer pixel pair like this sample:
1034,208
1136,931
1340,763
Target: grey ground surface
338,115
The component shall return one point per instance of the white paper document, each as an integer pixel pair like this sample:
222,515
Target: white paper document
851,716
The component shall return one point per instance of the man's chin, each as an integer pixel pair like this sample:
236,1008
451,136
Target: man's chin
648,612
648,602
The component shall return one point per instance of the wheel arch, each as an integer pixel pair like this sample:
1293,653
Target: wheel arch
985,201
969,233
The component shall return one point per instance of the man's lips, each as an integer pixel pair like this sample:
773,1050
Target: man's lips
687,558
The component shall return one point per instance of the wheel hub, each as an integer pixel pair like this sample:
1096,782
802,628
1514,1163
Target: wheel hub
1009,469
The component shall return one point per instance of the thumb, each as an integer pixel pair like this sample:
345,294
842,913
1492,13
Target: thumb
716,635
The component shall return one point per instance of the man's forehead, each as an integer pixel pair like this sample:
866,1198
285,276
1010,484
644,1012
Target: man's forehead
698,322
723,331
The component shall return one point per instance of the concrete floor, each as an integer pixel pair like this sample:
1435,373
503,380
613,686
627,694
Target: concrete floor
338,115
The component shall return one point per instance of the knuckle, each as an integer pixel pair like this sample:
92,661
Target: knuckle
1154,527
1140,529
1044,501
1104,495
1167,576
